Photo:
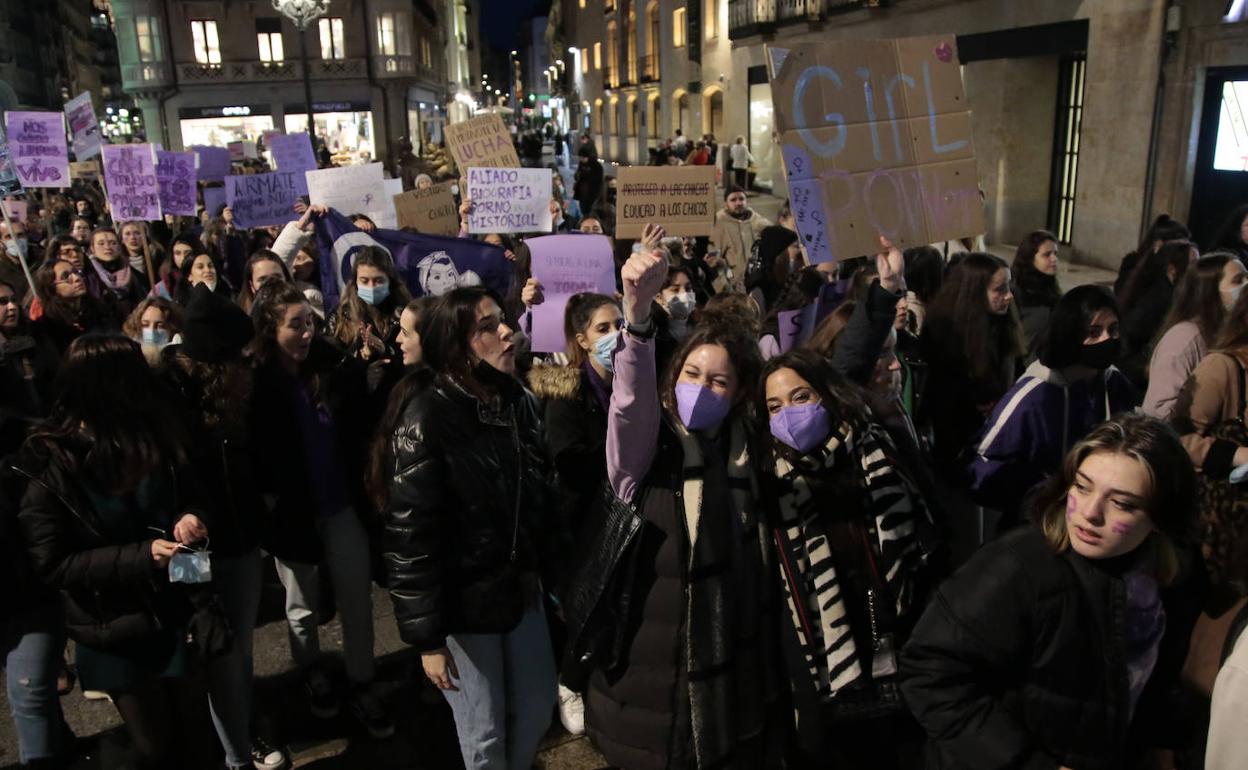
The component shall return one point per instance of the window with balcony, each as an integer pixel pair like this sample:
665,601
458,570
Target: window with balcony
598,56
631,49
613,55
147,34
393,37
269,41
207,44
332,41
678,28
711,19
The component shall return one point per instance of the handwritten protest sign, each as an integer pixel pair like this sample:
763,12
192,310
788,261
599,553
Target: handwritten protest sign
83,126
133,190
354,190
9,183
566,265
214,199
796,326
431,211
509,200
175,173
876,138
259,200
38,148
214,162
292,152
481,141
681,198
384,215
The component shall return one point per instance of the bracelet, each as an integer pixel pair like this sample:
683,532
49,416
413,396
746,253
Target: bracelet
644,331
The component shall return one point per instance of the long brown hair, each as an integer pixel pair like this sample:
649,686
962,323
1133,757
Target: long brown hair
963,330
742,352
1198,297
352,310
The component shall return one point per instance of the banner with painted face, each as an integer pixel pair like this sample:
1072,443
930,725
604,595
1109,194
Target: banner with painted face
429,264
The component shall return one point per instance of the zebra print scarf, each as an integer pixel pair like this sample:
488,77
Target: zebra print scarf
889,505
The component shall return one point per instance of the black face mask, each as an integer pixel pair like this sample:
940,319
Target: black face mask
1102,355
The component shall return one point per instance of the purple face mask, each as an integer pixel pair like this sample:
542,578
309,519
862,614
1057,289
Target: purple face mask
801,427
699,407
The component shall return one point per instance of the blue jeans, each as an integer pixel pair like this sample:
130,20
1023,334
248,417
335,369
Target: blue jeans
506,693
237,579
32,665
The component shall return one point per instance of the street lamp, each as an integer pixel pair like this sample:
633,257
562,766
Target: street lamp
303,13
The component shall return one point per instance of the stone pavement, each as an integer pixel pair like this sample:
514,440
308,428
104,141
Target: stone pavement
425,732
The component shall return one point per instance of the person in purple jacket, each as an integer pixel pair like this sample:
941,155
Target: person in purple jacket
1072,388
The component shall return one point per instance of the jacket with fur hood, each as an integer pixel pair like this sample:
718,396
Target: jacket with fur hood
1034,424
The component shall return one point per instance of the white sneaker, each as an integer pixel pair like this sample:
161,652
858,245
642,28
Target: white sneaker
96,695
571,711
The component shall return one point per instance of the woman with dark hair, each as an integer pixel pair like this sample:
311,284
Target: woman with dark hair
68,310
1035,284
850,536
311,393
1070,389
1202,300
776,255
215,384
925,272
972,342
192,265
1145,302
1054,645
28,364
263,266
227,247
297,248
107,516
65,247
1232,236
109,276
471,536
801,289
1162,230
367,321
669,625
133,236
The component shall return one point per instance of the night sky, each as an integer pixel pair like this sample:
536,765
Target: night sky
501,20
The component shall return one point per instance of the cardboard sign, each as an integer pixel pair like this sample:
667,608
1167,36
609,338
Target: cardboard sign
38,148
242,150
214,162
133,190
259,200
876,139
431,211
566,265
83,126
175,173
292,152
681,198
509,200
214,199
84,169
481,141
15,210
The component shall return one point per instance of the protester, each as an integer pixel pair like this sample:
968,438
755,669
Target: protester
741,161
367,321
776,256
1202,300
16,248
68,310
925,272
1232,236
297,248
1035,288
1145,301
107,513
138,247
737,227
800,290
154,323
64,247
1162,230
587,184
468,451
309,392
676,658
263,266
110,278
80,230
1010,664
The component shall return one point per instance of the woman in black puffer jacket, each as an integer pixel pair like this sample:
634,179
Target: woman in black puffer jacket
1058,645
470,540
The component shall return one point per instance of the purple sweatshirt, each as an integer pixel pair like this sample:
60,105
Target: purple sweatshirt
633,417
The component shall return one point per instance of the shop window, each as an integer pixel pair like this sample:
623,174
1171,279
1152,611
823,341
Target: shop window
147,33
332,43
678,28
207,44
269,41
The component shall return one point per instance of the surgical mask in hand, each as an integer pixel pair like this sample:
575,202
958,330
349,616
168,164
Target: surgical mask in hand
681,306
190,567
17,247
373,295
604,350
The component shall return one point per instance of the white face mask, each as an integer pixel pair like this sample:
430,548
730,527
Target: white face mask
680,306
1235,291
17,247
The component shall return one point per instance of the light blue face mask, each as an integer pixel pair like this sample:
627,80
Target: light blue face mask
604,350
158,337
373,295
190,567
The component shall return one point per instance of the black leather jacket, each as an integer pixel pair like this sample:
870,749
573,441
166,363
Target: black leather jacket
471,520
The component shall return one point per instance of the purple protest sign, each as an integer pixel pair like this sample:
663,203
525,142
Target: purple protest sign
566,265
38,148
259,200
175,173
130,173
83,126
795,326
214,199
214,162
292,152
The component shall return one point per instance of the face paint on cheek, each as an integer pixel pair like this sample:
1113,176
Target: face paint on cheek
1071,505
1122,528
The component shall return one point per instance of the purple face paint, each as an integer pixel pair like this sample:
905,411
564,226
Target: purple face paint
1071,505
1122,528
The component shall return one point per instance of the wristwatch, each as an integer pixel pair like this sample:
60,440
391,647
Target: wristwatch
643,331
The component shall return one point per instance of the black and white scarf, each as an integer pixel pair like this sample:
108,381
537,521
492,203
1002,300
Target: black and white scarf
890,506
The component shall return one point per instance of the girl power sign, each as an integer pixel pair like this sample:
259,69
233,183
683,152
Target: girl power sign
876,138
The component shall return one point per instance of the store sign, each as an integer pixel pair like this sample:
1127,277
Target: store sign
876,139
481,141
681,197
260,200
231,111
38,148
322,107
130,174
509,200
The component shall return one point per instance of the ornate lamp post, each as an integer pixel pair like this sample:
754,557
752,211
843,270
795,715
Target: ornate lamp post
303,13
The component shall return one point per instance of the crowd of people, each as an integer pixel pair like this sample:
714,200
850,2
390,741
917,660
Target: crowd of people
972,519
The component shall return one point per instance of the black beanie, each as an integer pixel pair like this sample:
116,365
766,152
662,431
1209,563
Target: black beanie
773,240
214,329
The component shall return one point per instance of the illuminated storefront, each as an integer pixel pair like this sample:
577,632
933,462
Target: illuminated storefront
218,126
346,127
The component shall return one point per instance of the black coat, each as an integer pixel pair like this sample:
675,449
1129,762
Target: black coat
576,435
28,366
471,520
1019,662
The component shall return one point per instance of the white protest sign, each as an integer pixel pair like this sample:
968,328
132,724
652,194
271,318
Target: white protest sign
355,190
509,200
83,125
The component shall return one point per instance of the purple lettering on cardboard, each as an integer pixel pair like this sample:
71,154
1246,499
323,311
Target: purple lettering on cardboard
175,174
260,200
38,149
130,174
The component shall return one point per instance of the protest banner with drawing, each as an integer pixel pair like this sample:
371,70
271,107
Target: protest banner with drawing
37,148
681,197
431,211
259,200
565,265
876,139
83,126
481,141
133,190
509,200
175,173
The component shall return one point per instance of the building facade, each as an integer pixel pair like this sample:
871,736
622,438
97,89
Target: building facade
212,72
1089,118
51,52
463,57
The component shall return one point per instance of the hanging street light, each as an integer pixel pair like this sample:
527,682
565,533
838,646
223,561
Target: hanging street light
302,13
